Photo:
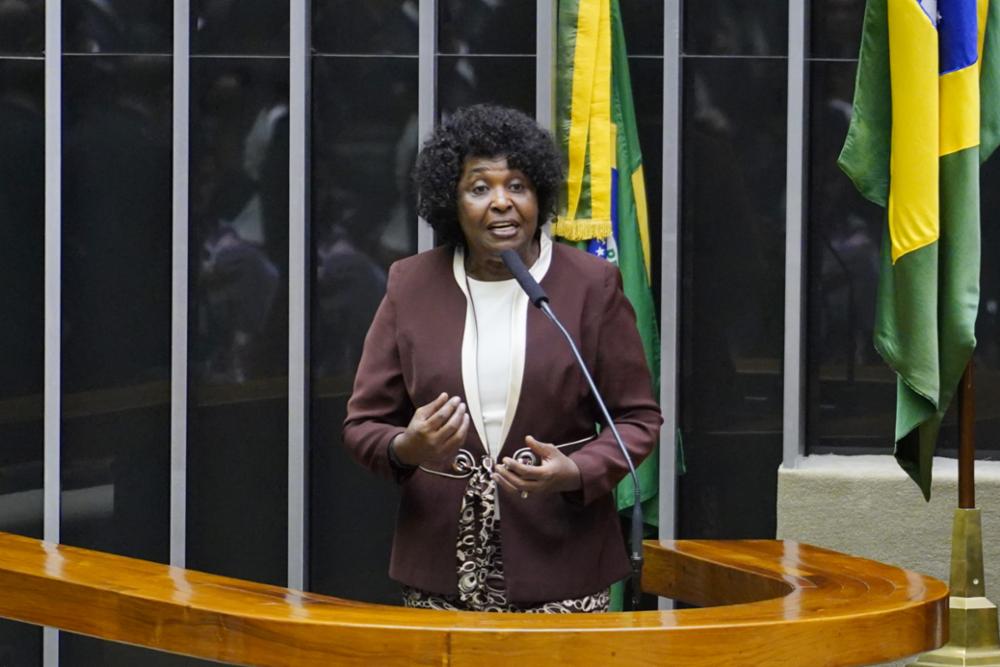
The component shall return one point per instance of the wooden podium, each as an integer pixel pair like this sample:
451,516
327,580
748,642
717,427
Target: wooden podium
762,602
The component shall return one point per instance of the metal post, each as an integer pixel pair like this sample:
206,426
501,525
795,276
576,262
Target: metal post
52,411
545,63
179,286
427,94
793,427
298,295
670,268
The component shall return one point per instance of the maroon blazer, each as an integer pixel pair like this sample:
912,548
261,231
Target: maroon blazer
555,546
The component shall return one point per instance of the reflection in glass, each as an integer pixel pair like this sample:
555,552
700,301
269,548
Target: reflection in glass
22,29
363,218
372,26
116,304
647,95
240,26
987,372
486,26
115,462
643,24
22,262
835,28
732,295
475,80
117,26
238,418
735,27
852,394
733,222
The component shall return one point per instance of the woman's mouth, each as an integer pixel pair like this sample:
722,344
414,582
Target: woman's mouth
503,230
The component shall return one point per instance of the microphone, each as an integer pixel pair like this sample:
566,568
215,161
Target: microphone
524,278
540,300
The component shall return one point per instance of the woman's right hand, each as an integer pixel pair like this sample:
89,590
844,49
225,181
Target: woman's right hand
435,433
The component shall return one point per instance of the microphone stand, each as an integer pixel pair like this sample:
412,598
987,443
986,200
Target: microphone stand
635,557
540,300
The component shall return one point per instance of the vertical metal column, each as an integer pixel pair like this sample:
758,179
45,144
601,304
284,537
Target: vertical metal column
52,410
670,264
298,294
793,419
179,286
545,63
426,94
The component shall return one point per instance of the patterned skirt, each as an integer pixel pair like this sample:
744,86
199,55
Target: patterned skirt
480,562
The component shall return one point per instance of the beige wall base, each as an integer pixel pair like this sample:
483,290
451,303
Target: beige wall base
867,506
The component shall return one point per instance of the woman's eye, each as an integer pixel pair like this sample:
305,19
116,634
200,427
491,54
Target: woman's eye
516,187
479,189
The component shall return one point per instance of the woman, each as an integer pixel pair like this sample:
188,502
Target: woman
461,385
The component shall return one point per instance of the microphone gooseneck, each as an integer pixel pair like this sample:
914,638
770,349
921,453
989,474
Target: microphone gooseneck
540,299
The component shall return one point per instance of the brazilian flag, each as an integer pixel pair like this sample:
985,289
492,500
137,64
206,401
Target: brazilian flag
926,114
604,201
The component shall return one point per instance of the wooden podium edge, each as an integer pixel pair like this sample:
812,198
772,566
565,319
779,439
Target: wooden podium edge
782,603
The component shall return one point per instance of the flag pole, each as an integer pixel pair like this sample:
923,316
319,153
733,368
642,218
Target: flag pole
974,638
967,440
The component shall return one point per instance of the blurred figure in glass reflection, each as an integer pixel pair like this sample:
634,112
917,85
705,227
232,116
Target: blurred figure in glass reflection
462,388
349,287
849,228
116,168
117,26
241,214
22,208
239,284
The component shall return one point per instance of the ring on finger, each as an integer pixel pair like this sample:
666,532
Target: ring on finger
524,494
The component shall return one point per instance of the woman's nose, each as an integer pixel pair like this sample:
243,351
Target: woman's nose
500,199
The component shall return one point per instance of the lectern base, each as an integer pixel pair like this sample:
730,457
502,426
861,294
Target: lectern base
972,618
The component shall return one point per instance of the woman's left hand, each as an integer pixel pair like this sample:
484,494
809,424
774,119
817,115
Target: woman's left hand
555,473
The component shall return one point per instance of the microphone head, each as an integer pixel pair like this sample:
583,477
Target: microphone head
524,278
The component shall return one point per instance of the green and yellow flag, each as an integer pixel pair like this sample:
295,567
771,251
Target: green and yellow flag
926,114
605,194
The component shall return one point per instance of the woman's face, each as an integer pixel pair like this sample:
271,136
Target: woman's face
497,210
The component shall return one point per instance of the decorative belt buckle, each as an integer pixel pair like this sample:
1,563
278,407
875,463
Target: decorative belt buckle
525,457
463,463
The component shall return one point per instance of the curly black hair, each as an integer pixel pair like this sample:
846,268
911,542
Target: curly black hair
487,131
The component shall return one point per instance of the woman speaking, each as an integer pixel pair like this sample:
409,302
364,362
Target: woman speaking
473,402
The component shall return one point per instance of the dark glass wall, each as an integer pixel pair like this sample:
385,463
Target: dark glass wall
117,26
486,54
851,393
735,28
734,73
116,289
363,218
22,28
237,494
987,359
22,262
247,27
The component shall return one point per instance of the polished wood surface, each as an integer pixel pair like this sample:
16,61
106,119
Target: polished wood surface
782,603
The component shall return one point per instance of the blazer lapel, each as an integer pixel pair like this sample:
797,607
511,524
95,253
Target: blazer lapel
518,348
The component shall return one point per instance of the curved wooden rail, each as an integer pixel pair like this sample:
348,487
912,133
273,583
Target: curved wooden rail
785,604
